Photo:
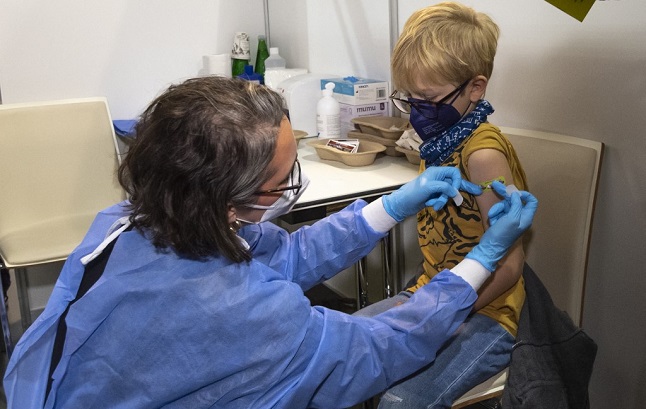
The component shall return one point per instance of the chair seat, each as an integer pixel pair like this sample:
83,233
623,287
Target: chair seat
49,241
488,389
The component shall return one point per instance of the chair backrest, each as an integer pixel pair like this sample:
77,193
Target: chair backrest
58,164
562,172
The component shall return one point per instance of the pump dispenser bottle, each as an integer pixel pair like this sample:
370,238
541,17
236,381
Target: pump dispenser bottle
328,121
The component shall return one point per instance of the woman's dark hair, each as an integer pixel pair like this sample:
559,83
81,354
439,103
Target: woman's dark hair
201,146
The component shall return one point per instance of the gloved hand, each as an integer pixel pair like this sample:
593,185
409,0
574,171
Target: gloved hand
432,188
508,219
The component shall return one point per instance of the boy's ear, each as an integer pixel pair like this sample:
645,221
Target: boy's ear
477,88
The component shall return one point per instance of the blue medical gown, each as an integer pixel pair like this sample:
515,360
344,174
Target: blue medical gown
158,330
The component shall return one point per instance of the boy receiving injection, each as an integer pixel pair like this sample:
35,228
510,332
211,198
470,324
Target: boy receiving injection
441,66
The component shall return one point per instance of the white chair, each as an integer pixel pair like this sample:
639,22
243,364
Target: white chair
562,172
57,170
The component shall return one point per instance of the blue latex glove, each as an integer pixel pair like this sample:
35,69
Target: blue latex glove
431,188
508,219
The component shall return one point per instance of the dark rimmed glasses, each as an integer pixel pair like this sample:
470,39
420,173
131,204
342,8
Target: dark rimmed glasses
295,175
427,109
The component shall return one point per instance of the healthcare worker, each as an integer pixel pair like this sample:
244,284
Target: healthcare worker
168,302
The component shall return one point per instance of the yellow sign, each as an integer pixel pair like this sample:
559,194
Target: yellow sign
575,8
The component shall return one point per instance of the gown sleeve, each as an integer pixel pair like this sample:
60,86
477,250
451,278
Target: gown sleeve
315,253
344,359
354,358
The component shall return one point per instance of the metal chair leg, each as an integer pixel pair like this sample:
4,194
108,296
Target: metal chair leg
6,332
22,285
386,260
362,284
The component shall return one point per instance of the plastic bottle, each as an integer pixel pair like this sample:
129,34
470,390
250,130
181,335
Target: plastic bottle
239,53
261,56
249,75
274,60
328,121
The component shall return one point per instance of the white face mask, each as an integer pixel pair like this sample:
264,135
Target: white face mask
282,206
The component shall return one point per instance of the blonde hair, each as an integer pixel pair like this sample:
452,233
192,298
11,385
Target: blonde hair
444,43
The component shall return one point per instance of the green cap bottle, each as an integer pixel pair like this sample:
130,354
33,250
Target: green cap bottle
261,55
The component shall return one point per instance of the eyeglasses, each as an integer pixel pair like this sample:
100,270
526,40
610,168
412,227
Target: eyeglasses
428,109
294,176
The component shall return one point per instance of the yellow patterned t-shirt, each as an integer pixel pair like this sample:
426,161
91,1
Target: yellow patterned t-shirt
445,237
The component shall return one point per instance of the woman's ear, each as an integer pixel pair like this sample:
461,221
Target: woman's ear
232,214
477,88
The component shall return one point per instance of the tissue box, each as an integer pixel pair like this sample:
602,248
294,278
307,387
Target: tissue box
358,91
348,112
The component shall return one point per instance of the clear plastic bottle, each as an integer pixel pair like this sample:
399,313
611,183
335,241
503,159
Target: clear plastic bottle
328,119
274,60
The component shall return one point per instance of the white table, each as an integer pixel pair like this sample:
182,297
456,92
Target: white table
333,182
333,185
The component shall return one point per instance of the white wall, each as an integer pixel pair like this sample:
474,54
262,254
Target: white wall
127,51
333,36
554,73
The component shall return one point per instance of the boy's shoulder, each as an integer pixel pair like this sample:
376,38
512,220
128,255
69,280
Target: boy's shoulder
487,129
487,132
486,136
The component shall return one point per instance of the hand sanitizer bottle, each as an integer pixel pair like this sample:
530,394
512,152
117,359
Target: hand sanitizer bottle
328,121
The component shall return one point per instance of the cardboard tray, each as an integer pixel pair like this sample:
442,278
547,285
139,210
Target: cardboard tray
388,127
411,155
388,143
365,156
298,135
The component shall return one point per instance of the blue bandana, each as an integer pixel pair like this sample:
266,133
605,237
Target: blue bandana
435,151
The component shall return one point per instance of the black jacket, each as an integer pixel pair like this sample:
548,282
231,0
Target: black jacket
552,360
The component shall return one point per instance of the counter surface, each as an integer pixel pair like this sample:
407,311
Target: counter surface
334,182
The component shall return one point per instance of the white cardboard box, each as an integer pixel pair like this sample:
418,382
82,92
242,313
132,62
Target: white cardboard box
358,91
348,111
